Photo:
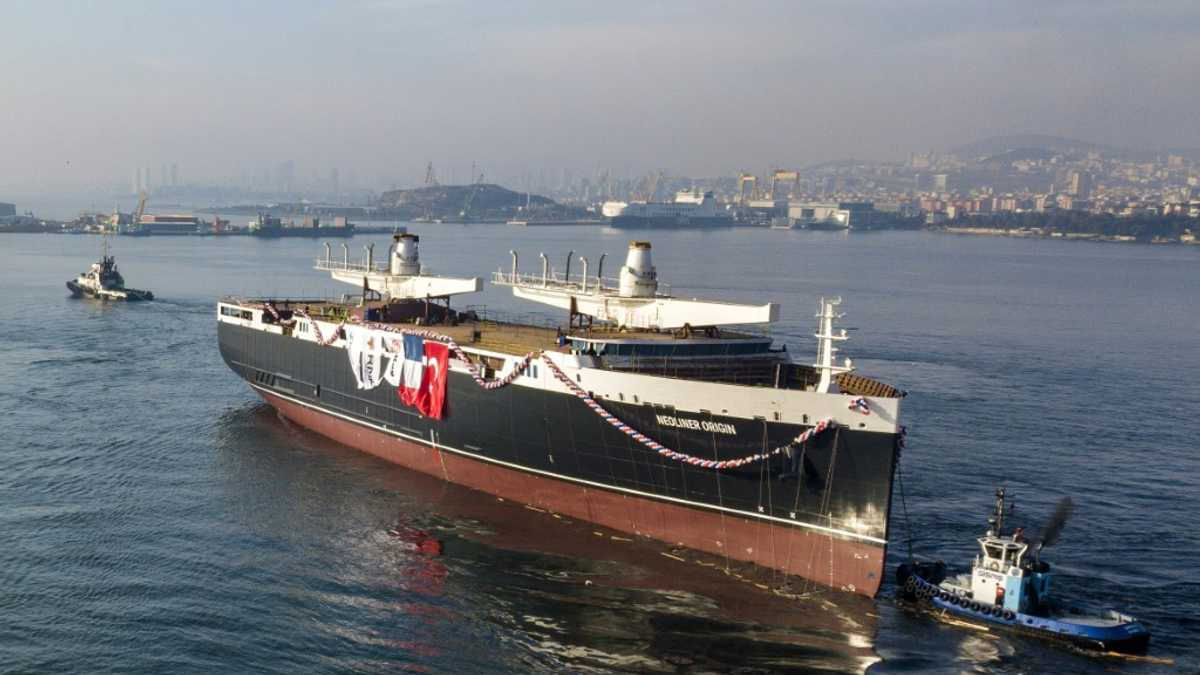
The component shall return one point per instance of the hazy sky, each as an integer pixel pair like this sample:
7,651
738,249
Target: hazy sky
93,89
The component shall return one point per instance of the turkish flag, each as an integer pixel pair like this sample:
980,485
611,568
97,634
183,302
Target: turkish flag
431,399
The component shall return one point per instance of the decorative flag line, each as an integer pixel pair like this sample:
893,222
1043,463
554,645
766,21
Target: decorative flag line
301,313
672,454
472,367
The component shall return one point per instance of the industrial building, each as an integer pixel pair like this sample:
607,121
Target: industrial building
168,224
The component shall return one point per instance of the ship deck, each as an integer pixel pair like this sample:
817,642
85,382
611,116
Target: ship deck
480,329
474,329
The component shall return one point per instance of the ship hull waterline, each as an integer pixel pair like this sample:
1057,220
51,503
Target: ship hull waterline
824,558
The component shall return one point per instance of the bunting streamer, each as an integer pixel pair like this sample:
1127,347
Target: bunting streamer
858,404
692,460
301,313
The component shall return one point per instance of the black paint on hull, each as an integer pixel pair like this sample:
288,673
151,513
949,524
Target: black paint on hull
841,480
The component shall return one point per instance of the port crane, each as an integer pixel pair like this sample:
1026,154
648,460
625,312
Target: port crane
747,187
135,218
651,181
466,209
141,209
785,177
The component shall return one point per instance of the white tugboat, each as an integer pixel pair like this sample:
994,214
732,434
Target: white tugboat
103,282
1009,588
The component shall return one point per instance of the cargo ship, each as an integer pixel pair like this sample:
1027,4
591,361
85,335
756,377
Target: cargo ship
691,209
271,227
665,417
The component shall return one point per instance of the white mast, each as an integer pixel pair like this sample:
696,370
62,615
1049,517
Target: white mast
825,339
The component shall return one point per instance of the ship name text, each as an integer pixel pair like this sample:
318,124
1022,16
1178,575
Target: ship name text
697,425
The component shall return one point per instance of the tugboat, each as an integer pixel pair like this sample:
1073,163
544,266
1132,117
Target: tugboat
1010,589
103,282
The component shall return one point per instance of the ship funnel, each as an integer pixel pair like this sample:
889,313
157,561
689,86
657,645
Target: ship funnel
406,259
638,278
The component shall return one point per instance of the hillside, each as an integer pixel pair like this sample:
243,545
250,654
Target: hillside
999,145
1041,143
448,202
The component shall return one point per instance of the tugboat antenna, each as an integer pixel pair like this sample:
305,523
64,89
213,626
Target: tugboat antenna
996,522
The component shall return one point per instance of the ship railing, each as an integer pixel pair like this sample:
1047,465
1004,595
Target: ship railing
327,265
538,321
551,280
768,370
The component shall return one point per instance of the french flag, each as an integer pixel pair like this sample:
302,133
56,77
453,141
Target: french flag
423,377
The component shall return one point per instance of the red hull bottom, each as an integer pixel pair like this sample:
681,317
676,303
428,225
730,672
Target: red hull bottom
828,559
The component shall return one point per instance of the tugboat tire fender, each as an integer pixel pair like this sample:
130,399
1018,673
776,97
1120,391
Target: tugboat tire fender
910,584
1009,615
975,606
996,612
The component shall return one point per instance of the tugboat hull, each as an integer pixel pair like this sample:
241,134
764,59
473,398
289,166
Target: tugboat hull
921,583
125,294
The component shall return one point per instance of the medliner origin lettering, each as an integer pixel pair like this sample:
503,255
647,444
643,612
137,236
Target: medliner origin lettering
697,425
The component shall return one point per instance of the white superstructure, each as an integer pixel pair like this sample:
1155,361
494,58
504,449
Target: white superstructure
402,276
634,301
688,204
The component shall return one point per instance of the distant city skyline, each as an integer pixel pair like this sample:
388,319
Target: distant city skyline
365,94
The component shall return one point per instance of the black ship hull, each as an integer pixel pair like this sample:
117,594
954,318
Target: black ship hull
820,514
310,232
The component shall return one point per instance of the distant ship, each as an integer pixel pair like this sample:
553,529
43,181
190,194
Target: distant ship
103,282
691,208
270,227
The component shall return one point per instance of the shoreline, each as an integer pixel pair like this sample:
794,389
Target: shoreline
1039,233
51,228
